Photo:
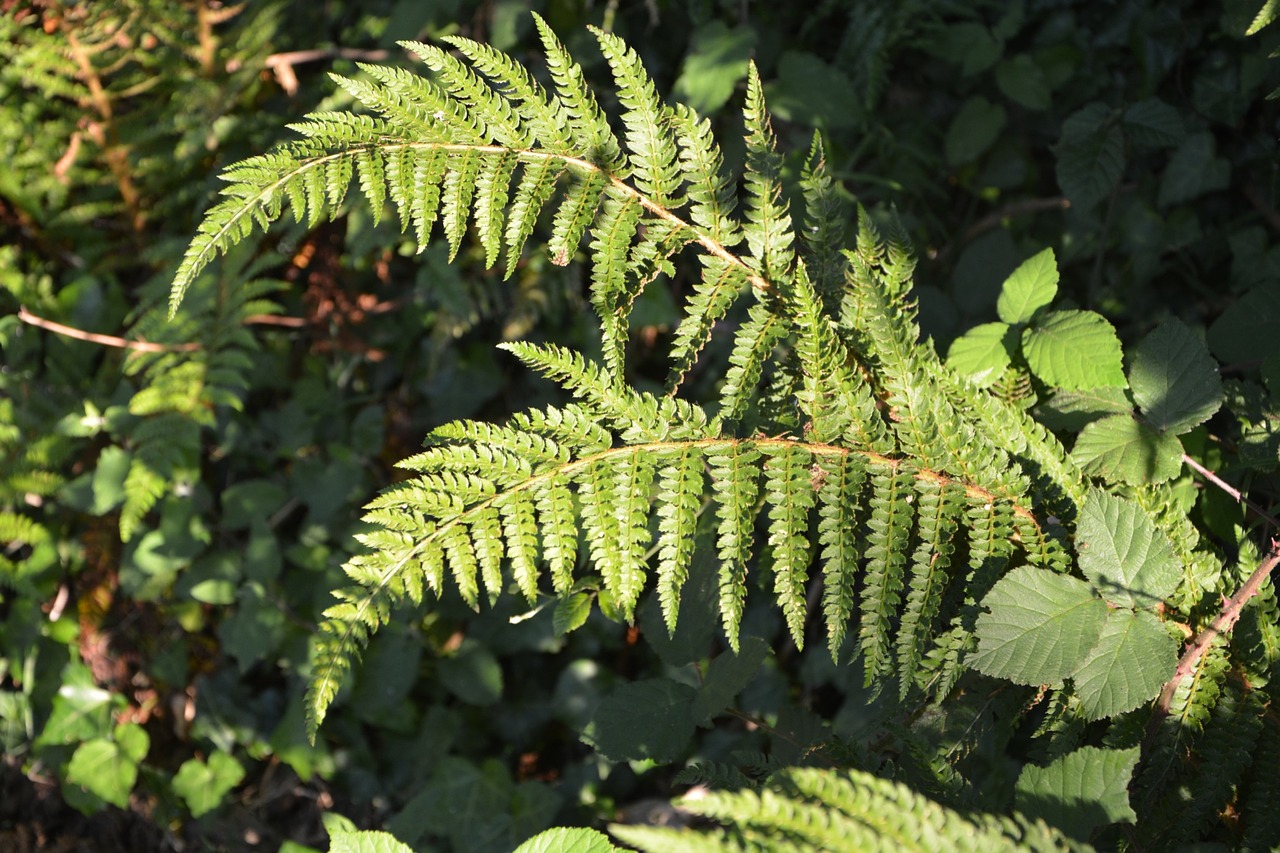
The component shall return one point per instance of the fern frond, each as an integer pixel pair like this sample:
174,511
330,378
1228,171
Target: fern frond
734,467
939,507
825,228
768,229
889,528
789,493
680,486
841,480
653,154
752,348
590,129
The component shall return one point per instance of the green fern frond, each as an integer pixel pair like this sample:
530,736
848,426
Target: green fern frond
789,494
734,465
888,530
805,809
840,485
768,229
680,488
939,507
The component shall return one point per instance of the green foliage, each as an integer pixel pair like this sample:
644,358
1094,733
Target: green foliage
748,444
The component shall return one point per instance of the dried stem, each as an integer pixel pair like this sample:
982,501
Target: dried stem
105,340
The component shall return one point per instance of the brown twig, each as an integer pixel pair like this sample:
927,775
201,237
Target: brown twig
282,64
1231,609
105,340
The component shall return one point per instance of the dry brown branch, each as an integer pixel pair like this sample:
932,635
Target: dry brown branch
105,340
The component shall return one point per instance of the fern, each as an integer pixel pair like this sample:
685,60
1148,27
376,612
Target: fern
838,462
811,810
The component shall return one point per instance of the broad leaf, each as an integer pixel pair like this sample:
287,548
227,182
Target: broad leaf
977,124
568,840
1080,791
1090,155
109,768
366,841
1175,381
644,719
1122,450
1246,331
203,785
982,353
1073,350
1122,552
1072,410
726,676
1133,659
1038,628
1154,122
1031,287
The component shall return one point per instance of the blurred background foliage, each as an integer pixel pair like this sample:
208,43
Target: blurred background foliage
174,511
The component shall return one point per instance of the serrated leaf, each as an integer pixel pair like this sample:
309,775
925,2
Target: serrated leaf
568,840
1193,170
1071,411
1073,350
1080,791
1121,450
108,769
1022,80
571,612
366,841
1090,156
202,786
975,127
644,719
472,674
1154,122
1029,288
1122,552
1246,331
982,353
1134,657
1175,381
1038,627
726,676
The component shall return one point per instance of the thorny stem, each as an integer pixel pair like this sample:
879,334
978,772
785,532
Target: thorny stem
1231,607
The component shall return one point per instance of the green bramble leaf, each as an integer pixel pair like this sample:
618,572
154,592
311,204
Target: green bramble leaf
203,785
1175,381
366,841
1038,627
109,768
982,353
1073,350
1121,450
1133,659
1246,331
568,840
1155,123
976,126
1090,155
726,676
644,719
1122,552
1029,288
1080,791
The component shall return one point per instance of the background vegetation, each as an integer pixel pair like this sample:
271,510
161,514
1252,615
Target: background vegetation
177,498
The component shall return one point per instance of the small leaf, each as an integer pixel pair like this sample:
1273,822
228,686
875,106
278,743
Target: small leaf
1122,552
202,786
1038,628
571,612
644,719
1029,288
982,353
1246,331
1090,156
1073,350
366,841
1133,659
726,676
1121,450
1154,122
472,674
568,840
977,124
1085,789
1022,80
1175,382
109,768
